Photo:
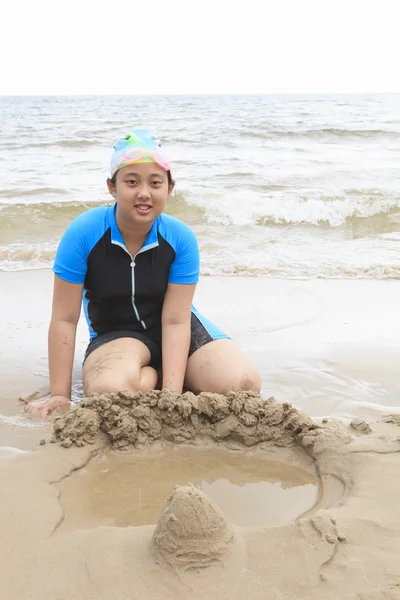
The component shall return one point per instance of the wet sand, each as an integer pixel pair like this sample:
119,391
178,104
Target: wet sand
329,347
347,546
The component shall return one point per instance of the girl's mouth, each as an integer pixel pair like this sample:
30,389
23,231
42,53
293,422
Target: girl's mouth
143,209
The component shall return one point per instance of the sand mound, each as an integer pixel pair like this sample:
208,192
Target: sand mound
192,531
79,427
131,420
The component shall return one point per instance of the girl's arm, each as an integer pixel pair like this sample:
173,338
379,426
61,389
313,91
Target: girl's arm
67,299
175,323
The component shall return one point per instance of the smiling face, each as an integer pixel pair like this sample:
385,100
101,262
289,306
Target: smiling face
141,191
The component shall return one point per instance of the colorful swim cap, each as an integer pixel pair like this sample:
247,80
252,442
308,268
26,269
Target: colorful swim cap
138,146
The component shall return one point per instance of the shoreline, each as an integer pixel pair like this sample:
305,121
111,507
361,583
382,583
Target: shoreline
329,347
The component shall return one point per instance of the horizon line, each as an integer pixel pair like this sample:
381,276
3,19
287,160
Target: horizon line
91,94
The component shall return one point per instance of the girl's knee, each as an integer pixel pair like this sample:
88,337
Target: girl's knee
122,382
111,384
245,381
249,381
148,379
242,381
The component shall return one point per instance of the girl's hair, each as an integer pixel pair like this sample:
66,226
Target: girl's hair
170,180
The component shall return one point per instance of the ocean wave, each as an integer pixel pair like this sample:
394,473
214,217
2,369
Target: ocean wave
328,133
374,271
329,211
20,257
280,208
59,213
46,211
293,255
32,192
69,143
322,133
62,143
27,257
181,207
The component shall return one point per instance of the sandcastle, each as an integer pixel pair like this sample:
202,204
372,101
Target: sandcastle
192,531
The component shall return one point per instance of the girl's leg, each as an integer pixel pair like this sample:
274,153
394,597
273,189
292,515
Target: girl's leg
119,365
221,367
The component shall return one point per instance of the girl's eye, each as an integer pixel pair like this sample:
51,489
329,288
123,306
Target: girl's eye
131,181
156,182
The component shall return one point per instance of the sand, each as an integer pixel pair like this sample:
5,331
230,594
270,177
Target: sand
330,347
328,352
347,546
192,532
136,420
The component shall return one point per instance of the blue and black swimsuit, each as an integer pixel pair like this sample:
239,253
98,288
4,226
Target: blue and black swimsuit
123,295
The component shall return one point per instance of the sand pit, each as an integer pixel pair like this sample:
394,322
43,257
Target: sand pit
250,486
346,548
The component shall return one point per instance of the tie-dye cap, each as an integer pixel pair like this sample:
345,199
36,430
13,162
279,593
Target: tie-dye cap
138,146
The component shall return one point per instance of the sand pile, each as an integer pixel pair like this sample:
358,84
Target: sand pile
192,531
131,420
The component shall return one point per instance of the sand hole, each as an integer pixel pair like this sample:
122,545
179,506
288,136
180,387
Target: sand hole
130,489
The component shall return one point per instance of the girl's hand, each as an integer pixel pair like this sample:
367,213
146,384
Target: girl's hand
47,406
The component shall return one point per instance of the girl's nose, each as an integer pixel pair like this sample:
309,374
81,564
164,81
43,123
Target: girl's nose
144,192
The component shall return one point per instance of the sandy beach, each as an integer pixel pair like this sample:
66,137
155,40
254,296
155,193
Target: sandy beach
328,347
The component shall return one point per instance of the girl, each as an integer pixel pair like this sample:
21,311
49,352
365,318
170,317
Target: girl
135,270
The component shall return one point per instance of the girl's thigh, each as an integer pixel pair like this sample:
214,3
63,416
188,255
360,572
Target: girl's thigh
221,367
118,365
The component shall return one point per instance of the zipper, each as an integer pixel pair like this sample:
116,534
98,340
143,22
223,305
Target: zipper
133,264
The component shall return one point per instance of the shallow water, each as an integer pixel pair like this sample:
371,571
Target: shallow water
130,489
279,186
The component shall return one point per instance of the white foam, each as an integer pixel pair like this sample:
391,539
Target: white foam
314,210
20,421
10,451
25,257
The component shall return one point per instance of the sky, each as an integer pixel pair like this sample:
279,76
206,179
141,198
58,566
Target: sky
203,47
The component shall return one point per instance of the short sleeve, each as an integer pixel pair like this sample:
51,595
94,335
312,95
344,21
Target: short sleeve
71,258
185,268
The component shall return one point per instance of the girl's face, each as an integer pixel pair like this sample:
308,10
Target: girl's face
141,192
